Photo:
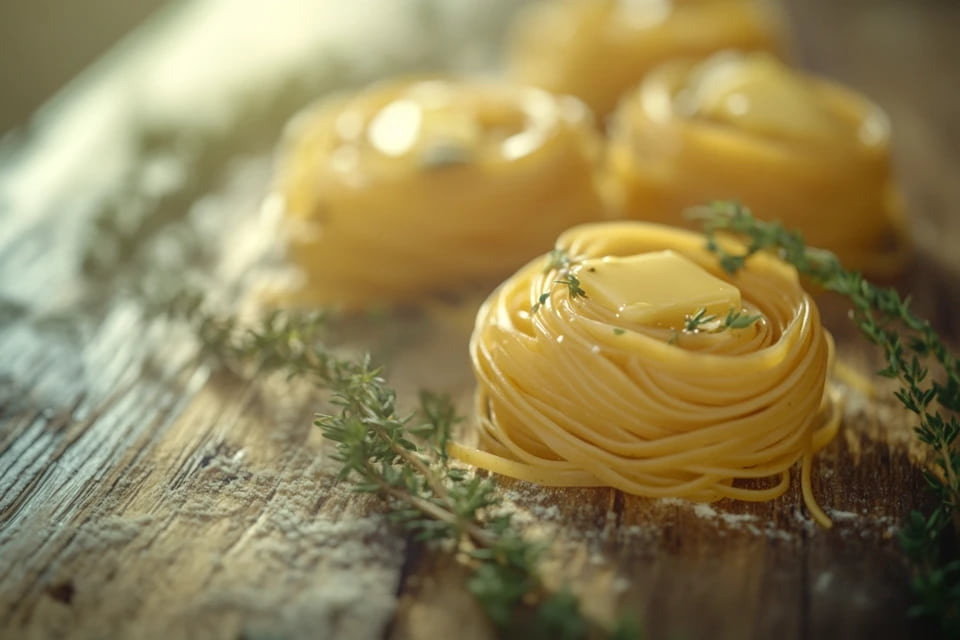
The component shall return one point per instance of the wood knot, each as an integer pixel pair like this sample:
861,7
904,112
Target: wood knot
62,591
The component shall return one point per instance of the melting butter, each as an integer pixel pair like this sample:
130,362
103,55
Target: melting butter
656,289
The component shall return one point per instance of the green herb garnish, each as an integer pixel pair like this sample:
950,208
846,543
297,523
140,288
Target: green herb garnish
701,321
559,260
573,286
693,323
908,344
740,319
403,458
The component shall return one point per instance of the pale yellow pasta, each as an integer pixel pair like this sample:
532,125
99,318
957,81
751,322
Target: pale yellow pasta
791,146
572,392
412,187
599,49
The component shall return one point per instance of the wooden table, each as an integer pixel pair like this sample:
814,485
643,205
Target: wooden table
142,496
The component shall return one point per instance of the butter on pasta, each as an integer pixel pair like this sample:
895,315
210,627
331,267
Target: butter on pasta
791,146
600,49
419,186
571,391
658,287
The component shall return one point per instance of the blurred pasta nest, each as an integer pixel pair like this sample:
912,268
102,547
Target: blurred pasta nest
417,186
599,49
790,146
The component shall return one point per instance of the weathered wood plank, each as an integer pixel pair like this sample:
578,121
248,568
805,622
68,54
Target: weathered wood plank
142,504
222,522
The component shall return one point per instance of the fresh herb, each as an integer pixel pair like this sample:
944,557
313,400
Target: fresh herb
701,321
740,319
693,323
909,344
559,260
573,286
403,457
290,341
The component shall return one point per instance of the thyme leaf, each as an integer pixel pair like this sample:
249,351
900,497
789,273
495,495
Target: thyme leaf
559,260
572,283
740,319
701,321
693,323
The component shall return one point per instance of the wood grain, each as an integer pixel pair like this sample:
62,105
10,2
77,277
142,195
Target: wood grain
143,497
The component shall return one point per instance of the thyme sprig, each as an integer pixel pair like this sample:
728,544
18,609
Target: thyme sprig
290,341
560,261
740,319
700,321
694,322
403,458
910,345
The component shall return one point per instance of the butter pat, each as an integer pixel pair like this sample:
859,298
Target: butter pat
657,288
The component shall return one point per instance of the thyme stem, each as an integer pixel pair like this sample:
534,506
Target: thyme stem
886,320
403,458
479,537
413,460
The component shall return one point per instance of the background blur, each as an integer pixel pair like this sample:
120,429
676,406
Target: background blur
44,43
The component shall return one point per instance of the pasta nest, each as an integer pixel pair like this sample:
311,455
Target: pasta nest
569,394
599,49
796,148
417,186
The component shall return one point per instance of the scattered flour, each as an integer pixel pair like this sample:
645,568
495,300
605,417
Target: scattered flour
823,581
96,536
